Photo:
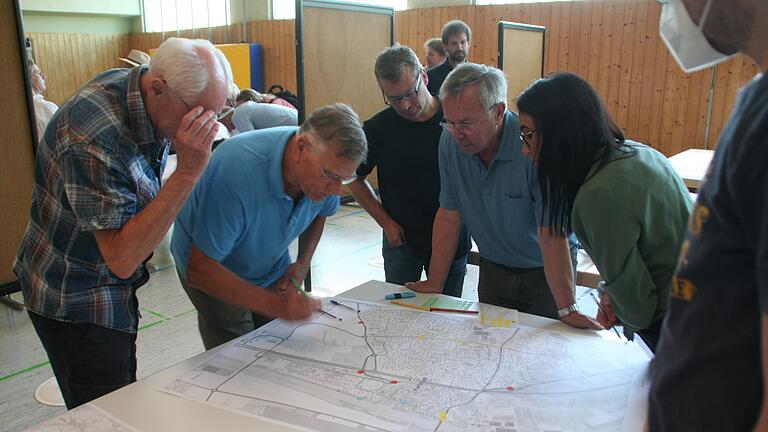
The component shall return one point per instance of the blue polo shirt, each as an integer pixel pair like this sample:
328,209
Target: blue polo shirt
500,204
238,213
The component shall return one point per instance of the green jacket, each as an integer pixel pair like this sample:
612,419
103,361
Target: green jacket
630,217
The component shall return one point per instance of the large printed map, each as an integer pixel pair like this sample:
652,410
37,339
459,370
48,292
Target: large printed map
388,368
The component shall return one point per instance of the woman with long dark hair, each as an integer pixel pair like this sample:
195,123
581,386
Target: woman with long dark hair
624,201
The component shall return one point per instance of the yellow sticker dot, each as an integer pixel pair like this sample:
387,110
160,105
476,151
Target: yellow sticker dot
442,416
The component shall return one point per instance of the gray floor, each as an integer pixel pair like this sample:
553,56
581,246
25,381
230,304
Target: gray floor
349,254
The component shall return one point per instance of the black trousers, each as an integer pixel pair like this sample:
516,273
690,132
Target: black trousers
89,361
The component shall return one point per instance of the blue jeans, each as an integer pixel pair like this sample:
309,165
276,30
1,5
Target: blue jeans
402,264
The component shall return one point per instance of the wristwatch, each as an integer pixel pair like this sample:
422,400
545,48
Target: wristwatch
566,310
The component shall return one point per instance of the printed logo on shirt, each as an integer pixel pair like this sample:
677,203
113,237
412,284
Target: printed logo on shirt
698,219
682,289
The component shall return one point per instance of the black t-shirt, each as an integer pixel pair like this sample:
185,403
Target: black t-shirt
405,155
707,374
437,75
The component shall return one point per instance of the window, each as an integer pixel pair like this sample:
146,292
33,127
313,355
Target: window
286,9
172,15
496,2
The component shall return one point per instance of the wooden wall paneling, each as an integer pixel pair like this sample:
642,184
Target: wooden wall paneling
658,83
522,60
596,35
669,107
616,51
582,42
564,42
635,71
551,62
643,108
16,155
625,64
69,60
332,66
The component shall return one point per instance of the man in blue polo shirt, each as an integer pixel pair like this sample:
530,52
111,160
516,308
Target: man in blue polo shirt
263,189
486,182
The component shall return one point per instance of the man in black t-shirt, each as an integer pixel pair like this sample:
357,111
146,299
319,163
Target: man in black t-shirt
711,363
456,38
402,145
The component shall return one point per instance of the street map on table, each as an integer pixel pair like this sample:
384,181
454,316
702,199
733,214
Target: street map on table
389,368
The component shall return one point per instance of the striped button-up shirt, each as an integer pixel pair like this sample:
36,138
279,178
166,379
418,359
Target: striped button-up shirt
98,165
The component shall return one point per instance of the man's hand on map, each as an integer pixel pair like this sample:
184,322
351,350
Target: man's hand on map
295,305
427,286
579,320
293,277
605,315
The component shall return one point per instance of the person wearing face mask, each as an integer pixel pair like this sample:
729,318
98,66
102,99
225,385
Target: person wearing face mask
403,141
456,37
712,361
44,109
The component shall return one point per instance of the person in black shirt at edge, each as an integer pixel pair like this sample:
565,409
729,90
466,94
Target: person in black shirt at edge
456,38
711,365
402,142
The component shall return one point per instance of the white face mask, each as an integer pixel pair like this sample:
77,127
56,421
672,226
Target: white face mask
685,40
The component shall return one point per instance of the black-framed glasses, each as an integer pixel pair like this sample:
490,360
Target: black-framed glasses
525,135
389,100
463,127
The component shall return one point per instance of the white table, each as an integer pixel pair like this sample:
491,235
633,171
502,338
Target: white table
141,406
692,166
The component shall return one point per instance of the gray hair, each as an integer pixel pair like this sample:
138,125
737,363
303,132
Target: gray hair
391,63
338,125
455,27
181,64
491,84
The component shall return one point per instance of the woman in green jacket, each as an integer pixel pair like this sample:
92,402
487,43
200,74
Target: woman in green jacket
625,202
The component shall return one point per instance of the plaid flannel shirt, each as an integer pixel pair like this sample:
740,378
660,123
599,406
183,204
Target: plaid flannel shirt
98,165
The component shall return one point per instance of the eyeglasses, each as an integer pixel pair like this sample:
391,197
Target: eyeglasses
335,177
525,135
220,115
332,176
463,127
389,100
224,112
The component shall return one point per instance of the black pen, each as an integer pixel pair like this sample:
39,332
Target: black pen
606,315
330,315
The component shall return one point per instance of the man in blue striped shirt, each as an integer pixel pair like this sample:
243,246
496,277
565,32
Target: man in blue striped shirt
98,211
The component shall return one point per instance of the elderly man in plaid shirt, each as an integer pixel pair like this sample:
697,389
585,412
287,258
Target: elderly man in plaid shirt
98,211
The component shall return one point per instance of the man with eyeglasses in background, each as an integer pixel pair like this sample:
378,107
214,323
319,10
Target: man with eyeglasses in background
98,210
487,183
403,141
456,36
260,192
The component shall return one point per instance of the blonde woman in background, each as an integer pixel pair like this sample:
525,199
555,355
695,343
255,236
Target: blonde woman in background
44,109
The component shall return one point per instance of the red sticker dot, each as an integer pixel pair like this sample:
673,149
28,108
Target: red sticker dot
393,382
510,388
360,371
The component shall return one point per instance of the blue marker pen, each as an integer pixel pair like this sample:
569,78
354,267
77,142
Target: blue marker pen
401,295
